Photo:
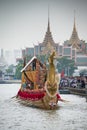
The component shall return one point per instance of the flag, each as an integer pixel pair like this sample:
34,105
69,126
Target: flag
62,73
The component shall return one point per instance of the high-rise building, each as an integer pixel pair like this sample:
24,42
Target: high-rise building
3,62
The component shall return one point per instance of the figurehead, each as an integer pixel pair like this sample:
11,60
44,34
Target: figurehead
51,85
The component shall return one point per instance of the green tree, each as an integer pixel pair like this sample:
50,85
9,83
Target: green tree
67,65
42,58
83,72
28,57
10,69
0,73
19,66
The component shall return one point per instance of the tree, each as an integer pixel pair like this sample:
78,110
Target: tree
10,69
43,58
28,57
83,72
18,70
68,65
0,73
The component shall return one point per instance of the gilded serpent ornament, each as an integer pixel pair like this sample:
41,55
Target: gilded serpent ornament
51,84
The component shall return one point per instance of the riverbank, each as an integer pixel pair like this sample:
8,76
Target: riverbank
78,91
10,81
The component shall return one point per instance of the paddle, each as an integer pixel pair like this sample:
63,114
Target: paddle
13,97
63,100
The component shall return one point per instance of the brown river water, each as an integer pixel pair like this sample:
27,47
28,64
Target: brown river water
15,116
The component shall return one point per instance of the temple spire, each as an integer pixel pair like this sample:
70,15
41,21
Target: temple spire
48,28
74,39
48,36
74,27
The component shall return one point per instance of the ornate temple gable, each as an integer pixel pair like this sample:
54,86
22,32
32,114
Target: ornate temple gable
74,40
48,49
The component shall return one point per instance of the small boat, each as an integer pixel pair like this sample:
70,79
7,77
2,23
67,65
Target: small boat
78,91
39,85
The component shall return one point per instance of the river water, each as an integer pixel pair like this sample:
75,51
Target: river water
15,116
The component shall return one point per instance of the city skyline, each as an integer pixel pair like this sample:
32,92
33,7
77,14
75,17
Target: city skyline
24,23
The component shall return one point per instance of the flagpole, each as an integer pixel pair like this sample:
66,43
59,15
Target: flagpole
34,49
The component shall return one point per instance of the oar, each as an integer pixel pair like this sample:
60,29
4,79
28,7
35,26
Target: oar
13,97
63,100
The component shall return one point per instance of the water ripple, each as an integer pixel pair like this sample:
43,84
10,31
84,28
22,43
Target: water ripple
15,116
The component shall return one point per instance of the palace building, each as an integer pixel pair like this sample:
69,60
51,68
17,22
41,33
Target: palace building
74,48
79,45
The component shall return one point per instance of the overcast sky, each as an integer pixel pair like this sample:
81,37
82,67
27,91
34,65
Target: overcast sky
24,22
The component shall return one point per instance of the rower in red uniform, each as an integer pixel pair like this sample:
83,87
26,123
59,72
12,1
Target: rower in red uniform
60,99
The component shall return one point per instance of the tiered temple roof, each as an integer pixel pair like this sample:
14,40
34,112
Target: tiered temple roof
48,36
48,45
74,39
